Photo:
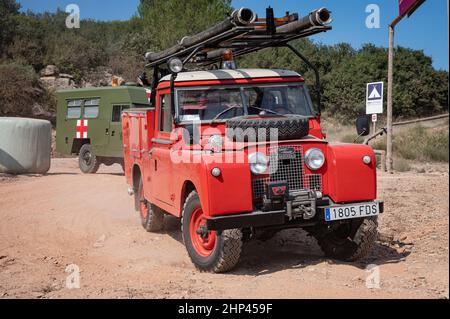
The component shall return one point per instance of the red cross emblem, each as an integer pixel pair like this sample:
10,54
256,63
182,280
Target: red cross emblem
82,129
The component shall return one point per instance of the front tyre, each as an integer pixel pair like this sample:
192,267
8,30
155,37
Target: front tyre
210,251
88,162
350,241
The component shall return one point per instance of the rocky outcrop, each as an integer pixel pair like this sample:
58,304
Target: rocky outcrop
52,79
100,77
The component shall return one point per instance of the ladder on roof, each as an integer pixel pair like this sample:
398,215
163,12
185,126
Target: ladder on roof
243,33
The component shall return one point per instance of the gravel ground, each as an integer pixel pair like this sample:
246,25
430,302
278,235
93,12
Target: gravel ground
64,218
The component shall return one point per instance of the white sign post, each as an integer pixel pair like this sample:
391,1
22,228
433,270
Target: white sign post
374,101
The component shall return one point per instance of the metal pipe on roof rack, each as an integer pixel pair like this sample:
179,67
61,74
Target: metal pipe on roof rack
319,17
215,54
241,17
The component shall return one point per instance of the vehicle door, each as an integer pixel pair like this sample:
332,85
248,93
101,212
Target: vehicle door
93,125
115,130
161,163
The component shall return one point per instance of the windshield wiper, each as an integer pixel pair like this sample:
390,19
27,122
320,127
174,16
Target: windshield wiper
225,112
266,110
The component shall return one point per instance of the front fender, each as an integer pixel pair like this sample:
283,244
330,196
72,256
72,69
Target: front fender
231,192
349,178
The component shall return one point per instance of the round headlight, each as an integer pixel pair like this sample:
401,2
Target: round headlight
259,163
314,159
215,143
175,65
367,160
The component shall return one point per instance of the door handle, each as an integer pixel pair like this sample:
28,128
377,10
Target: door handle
107,131
113,133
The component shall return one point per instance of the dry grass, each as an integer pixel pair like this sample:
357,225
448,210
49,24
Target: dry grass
427,143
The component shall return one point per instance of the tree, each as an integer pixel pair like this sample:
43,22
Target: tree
8,9
166,22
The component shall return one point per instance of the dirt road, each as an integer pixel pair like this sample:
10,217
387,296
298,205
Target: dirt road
65,218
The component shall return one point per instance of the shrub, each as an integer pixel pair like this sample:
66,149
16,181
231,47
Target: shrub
18,89
401,165
419,144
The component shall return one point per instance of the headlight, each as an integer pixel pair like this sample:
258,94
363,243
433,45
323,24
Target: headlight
175,65
259,163
215,143
314,159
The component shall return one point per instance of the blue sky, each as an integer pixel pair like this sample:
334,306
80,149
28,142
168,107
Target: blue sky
425,30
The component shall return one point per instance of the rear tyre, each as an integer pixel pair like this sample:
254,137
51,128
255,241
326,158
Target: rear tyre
351,241
152,217
209,251
88,162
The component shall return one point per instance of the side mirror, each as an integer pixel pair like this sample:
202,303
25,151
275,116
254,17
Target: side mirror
363,125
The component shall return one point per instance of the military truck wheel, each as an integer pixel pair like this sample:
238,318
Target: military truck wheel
88,162
210,251
350,241
152,217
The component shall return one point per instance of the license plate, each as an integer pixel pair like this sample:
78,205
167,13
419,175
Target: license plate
352,211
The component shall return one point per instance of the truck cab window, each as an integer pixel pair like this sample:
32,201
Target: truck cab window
117,112
165,114
74,109
91,108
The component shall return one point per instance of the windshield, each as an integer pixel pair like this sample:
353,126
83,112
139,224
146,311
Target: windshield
222,103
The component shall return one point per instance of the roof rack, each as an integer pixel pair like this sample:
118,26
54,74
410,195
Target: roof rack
243,33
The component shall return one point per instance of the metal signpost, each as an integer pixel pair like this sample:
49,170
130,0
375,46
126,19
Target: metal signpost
407,7
374,101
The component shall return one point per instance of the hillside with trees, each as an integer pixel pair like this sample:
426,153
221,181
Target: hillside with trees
29,42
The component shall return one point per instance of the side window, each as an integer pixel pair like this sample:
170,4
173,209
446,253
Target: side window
117,112
165,114
74,109
91,108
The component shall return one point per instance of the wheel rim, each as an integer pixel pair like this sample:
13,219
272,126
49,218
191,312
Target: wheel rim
341,235
87,158
203,241
143,205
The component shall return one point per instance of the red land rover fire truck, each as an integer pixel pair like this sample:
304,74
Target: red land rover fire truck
238,154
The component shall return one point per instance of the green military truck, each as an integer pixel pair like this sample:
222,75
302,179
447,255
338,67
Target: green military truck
89,123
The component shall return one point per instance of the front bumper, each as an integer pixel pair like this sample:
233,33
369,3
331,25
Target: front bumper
278,218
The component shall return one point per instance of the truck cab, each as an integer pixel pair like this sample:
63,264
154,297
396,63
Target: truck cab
239,154
89,123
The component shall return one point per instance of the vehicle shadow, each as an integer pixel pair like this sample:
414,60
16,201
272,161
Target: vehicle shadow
61,174
294,249
112,174
172,227
291,249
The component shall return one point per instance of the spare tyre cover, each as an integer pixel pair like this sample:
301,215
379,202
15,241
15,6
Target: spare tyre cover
289,128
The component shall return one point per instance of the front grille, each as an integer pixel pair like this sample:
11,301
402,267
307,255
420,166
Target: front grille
287,164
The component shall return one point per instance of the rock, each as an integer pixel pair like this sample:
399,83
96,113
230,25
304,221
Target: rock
385,238
100,77
50,70
56,83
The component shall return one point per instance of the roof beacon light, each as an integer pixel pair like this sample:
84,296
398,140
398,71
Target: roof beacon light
228,62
